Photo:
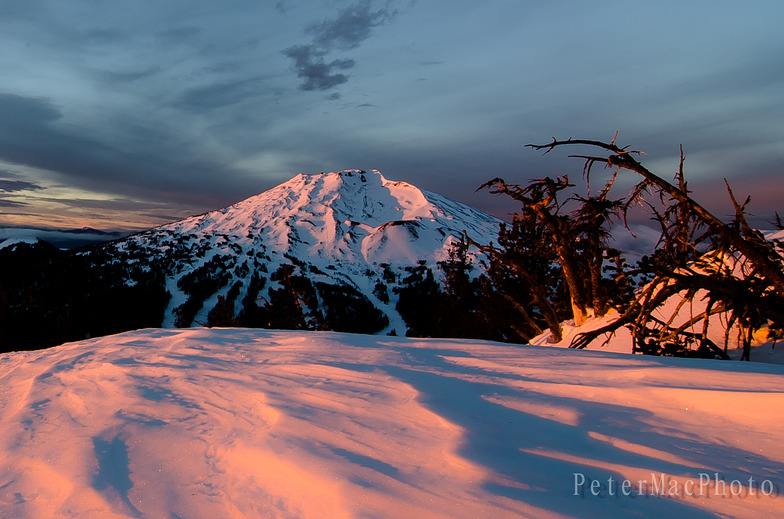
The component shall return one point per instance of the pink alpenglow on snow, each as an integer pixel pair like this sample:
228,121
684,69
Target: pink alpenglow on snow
230,423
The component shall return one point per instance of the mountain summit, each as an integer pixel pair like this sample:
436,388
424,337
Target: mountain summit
350,216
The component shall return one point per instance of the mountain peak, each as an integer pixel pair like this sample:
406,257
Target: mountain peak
362,196
352,216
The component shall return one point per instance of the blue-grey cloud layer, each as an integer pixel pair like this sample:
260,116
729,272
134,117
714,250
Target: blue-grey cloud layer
186,106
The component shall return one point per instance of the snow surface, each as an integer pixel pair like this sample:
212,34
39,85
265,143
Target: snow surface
225,423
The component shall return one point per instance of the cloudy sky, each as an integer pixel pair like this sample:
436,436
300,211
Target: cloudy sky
128,114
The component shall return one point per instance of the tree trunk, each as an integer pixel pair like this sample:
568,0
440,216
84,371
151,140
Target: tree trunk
563,247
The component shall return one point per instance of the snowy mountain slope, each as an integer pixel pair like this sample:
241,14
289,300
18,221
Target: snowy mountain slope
255,423
353,229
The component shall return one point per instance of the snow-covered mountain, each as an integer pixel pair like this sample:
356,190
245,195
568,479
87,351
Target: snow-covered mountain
352,231
347,217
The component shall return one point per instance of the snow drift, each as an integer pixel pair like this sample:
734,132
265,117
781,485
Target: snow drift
256,423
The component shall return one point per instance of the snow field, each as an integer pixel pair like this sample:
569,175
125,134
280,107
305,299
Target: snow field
257,423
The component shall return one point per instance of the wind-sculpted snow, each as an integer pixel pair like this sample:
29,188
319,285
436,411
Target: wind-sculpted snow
230,423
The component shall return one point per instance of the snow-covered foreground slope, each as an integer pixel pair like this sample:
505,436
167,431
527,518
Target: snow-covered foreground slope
226,423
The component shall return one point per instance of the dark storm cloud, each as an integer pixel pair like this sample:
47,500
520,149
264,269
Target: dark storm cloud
350,28
11,203
148,164
347,31
10,186
28,135
316,73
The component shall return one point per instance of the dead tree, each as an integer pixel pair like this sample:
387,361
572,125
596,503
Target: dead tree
573,243
540,202
743,276
739,236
